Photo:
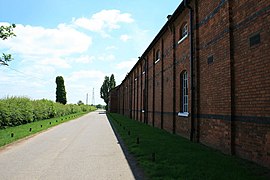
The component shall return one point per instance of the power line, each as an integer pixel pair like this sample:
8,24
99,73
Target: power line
25,74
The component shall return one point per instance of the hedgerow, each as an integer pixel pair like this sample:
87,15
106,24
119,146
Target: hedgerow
15,111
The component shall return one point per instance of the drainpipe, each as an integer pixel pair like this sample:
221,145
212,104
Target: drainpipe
162,84
130,97
145,93
192,130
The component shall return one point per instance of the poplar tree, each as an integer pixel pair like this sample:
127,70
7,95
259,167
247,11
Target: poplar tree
108,84
112,82
60,90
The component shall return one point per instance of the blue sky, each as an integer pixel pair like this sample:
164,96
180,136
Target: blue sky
81,40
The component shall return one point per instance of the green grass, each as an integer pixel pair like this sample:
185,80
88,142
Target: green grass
23,131
177,157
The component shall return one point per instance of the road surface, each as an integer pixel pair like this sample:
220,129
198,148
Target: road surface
85,148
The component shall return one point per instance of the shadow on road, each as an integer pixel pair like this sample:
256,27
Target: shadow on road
101,111
137,172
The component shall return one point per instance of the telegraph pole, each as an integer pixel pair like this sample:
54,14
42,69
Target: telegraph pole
93,96
86,99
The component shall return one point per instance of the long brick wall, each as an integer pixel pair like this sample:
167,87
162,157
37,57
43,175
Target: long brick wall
229,104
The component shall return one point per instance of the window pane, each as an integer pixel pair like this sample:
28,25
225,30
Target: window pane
184,92
184,31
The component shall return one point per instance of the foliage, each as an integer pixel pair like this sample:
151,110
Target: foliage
167,156
15,111
112,82
107,86
60,90
22,131
104,90
5,33
80,102
99,106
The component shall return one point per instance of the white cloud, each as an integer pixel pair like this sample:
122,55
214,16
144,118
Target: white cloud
86,74
55,61
83,59
111,48
126,64
34,40
106,57
43,53
38,71
124,37
104,21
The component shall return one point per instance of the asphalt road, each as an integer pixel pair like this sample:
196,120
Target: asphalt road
85,148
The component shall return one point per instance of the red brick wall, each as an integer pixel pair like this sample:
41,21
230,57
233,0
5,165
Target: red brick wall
113,101
215,77
232,93
150,88
252,79
182,60
168,81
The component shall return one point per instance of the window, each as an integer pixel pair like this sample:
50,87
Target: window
184,94
183,33
144,68
157,56
210,59
255,39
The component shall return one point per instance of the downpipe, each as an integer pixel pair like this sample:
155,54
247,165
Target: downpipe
192,129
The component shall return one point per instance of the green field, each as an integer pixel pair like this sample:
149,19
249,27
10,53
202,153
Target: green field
166,156
12,134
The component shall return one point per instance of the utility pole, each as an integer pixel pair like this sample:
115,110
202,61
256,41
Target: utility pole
86,99
93,96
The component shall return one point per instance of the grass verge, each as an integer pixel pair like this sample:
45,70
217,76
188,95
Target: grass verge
12,134
166,156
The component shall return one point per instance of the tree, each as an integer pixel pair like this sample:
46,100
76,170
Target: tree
112,82
60,90
5,33
80,102
104,90
99,106
107,86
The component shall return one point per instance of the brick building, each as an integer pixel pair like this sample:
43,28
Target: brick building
206,77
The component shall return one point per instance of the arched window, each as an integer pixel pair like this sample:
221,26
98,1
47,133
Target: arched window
184,94
157,56
183,32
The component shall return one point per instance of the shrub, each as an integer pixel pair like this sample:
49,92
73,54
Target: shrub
15,111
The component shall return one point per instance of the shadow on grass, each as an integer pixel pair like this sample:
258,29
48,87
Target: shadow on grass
137,171
162,155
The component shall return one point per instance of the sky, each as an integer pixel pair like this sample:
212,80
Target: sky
81,40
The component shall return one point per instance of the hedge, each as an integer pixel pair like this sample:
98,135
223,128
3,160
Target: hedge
15,111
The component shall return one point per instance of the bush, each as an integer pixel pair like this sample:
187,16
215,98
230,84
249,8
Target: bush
15,111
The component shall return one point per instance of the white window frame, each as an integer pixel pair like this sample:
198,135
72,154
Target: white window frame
184,94
183,33
157,56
